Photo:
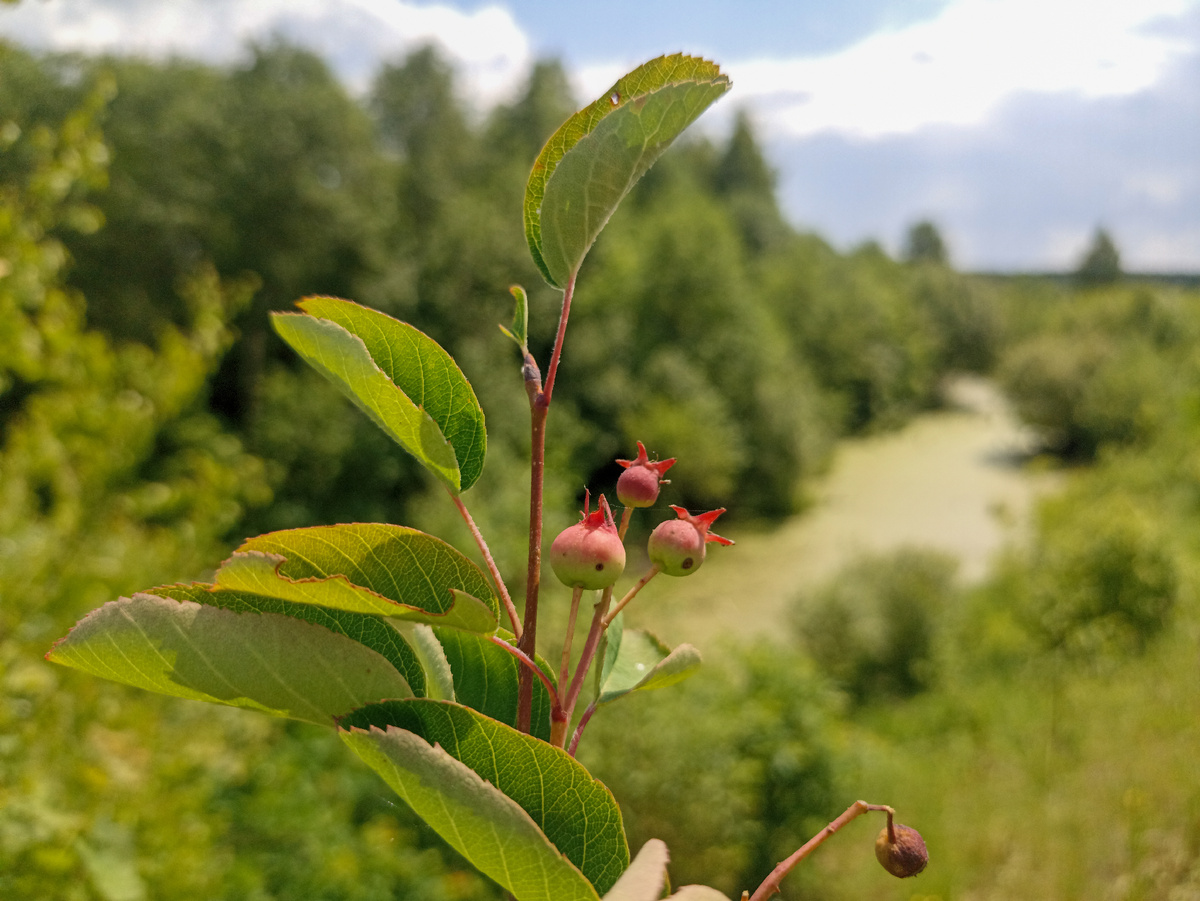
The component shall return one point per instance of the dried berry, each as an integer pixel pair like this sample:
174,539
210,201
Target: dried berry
589,554
677,546
638,484
902,854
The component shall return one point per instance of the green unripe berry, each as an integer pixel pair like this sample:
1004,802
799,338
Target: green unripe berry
590,553
677,547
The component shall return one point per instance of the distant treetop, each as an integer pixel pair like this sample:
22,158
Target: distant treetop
1101,265
924,244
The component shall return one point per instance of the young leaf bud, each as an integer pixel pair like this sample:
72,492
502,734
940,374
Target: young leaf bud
638,484
906,856
589,554
677,546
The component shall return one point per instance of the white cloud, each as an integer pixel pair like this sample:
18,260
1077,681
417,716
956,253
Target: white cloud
487,45
1155,250
959,67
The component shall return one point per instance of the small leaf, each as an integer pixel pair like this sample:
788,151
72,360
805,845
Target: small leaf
519,332
263,661
479,821
646,876
486,679
399,377
634,660
598,154
576,812
366,568
439,680
343,359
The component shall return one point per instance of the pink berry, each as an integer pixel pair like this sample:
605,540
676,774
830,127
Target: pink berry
638,484
677,546
589,554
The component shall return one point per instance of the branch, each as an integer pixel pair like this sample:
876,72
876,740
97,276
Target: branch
491,564
530,666
539,408
770,885
630,595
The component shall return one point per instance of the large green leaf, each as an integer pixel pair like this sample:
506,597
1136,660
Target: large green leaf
400,649
366,568
486,679
634,660
399,377
598,154
264,661
483,824
576,812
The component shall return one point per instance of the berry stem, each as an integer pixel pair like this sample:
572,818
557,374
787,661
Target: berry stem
539,409
770,885
626,516
583,721
576,594
631,594
560,337
530,666
585,659
509,606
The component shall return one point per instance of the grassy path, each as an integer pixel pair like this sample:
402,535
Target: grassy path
949,480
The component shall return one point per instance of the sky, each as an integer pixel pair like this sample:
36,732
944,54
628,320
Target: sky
1017,126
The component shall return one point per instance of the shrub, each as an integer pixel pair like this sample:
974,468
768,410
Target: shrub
873,628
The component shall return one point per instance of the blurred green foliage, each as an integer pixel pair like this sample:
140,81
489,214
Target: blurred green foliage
1103,368
873,630
115,475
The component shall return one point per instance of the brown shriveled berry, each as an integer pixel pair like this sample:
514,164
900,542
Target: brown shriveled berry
677,546
638,484
906,856
590,553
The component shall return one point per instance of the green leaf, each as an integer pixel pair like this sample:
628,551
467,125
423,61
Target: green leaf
398,648
634,660
366,568
598,154
486,679
520,324
399,377
576,812
479,821
263,661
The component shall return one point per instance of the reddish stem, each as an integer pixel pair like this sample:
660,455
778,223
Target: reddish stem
491,564
528,642
631,594
589,652
539,408
576,594
583,721
530,666
626,516
560,337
